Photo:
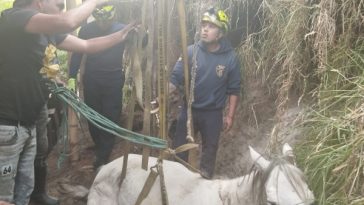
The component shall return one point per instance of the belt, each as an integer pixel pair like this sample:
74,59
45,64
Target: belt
12,122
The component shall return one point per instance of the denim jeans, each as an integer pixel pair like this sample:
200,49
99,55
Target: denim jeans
17,153
42,138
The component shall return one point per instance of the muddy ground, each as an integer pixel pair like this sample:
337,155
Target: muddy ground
253,125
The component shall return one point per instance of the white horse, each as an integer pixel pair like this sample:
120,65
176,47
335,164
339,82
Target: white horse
276,183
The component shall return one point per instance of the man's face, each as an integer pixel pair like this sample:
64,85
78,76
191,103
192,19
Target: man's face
210,33
52,6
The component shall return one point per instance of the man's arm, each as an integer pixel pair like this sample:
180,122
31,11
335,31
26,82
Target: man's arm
63,22
94,45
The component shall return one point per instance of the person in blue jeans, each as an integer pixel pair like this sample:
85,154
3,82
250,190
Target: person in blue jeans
217,81
30,33
103,79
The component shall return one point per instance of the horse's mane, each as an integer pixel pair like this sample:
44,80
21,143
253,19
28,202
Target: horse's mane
260,177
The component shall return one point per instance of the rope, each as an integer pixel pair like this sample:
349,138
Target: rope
63,153
72,100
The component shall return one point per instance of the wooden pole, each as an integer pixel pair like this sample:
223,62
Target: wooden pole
72,118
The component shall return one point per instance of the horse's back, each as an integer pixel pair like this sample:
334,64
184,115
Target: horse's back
182,185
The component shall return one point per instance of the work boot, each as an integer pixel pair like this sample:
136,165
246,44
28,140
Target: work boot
39,194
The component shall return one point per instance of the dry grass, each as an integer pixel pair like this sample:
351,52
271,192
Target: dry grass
317,52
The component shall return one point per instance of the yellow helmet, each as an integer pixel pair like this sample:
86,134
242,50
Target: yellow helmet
106,12
217,17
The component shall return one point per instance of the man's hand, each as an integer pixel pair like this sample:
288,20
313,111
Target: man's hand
71,85
228,123
133,26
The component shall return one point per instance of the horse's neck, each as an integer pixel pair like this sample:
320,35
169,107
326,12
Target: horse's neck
236,191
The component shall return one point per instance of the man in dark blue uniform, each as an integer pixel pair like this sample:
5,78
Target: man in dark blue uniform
103,79
217,79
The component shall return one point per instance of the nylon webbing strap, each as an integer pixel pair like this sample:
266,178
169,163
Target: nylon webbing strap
162,182
189,84
183,30
183,148
162,67
130,109
148,15
125,163
147,186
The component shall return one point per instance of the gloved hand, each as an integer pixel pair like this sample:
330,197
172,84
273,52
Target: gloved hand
50,71
71,84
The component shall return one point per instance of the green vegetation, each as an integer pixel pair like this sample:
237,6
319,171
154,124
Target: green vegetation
334,128
63,59
5,4
316,50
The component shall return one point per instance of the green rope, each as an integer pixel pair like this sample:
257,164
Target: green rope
72,100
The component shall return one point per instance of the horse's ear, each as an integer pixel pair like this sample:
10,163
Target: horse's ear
288,153
287,150
258,159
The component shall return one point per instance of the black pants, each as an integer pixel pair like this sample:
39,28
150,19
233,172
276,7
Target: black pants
209,124
105,97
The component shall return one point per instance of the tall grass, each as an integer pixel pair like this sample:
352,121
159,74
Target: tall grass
333,153
315,49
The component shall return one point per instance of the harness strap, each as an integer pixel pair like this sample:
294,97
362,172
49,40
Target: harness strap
192,157
147,186
125,163
183,30
147,14
153,174
162,182
180,149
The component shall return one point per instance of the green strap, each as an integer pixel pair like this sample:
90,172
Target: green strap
72,100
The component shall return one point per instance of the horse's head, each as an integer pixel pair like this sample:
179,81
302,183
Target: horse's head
285,183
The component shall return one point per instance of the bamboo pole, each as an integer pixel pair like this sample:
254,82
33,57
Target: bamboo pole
72,117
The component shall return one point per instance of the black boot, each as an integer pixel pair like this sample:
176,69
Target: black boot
39,194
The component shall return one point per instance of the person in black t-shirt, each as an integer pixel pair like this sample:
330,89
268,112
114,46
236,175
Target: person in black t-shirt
103,79
29,34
